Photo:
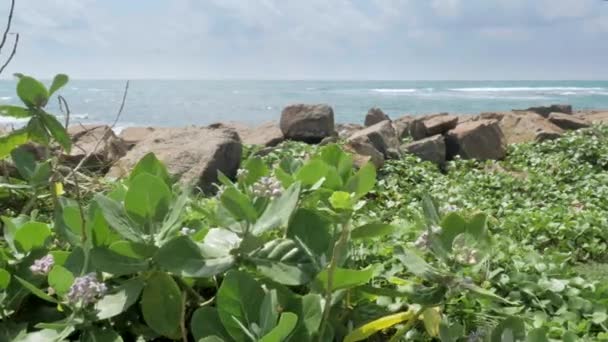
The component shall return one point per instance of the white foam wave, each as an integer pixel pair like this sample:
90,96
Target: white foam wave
5,98
523,89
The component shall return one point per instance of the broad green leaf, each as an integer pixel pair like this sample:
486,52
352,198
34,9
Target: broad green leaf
372,230
173,219
414,263
5,278
363,332
206,323
287,323
239,205
345,278
117,218
60,279
450,332
119,300
511,329
569,336
363,181
42,175
312,313
256,169
35,290
537,335
343,162
219,242
32,92
161,305
37,131
269,312
279,211
32,235
101,335
151,165
430,211
24,162
133,249
15,111
12,140
312,229
181,256
73,219
59,81
239,298
111,262
312,172
147,201
58,132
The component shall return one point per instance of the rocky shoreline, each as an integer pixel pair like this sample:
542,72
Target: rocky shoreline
195,154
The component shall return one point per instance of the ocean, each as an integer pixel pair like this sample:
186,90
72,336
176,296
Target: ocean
179,103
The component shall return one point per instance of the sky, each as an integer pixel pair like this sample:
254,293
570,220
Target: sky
312,39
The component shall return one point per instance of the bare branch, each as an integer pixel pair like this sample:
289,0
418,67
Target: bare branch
10,58
64,104
122,105
8,24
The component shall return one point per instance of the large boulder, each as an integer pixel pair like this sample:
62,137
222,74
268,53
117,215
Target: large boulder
520,127
567,121
267,134
193,154
98,144
382,136
544,111
133,135
308,123
481,140
363,152
345,130
431,149
374,116
595,117
402,126
440,124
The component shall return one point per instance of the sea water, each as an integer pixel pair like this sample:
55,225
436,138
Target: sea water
201,102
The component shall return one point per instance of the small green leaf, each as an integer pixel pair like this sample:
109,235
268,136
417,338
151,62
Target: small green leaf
24,162
372,230
161,305
60,279
239,205
5,278
206,323
15,112
12,140
32,235
58,132
342,200
256,169
279,211
346,278
181,256
59,81
32,92
510,329
120,300
363,181
537,335
312,229
287,323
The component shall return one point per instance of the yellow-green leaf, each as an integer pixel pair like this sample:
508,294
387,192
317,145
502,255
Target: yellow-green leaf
432,319
373,327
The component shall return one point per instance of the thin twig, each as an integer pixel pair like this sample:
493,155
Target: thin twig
182,321
105,135
63,103
8,24
81,210
10,58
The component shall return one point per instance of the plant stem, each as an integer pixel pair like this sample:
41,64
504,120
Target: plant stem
338,248
407,326
200,299
182,323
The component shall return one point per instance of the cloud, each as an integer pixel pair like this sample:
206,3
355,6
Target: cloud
307,39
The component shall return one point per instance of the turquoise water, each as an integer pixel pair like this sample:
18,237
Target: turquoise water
176,103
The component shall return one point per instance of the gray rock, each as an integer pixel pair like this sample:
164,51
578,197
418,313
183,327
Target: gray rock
402,126
267,134
568,122
363,152
431,149
440,124
544,111
382,137
193,154
521,127
481,140
346,130
374,116
308,123
99,143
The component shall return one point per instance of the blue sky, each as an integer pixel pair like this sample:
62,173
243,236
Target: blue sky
313,39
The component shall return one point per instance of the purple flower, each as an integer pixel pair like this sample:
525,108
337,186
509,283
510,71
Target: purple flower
43,265
267,187
86,289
